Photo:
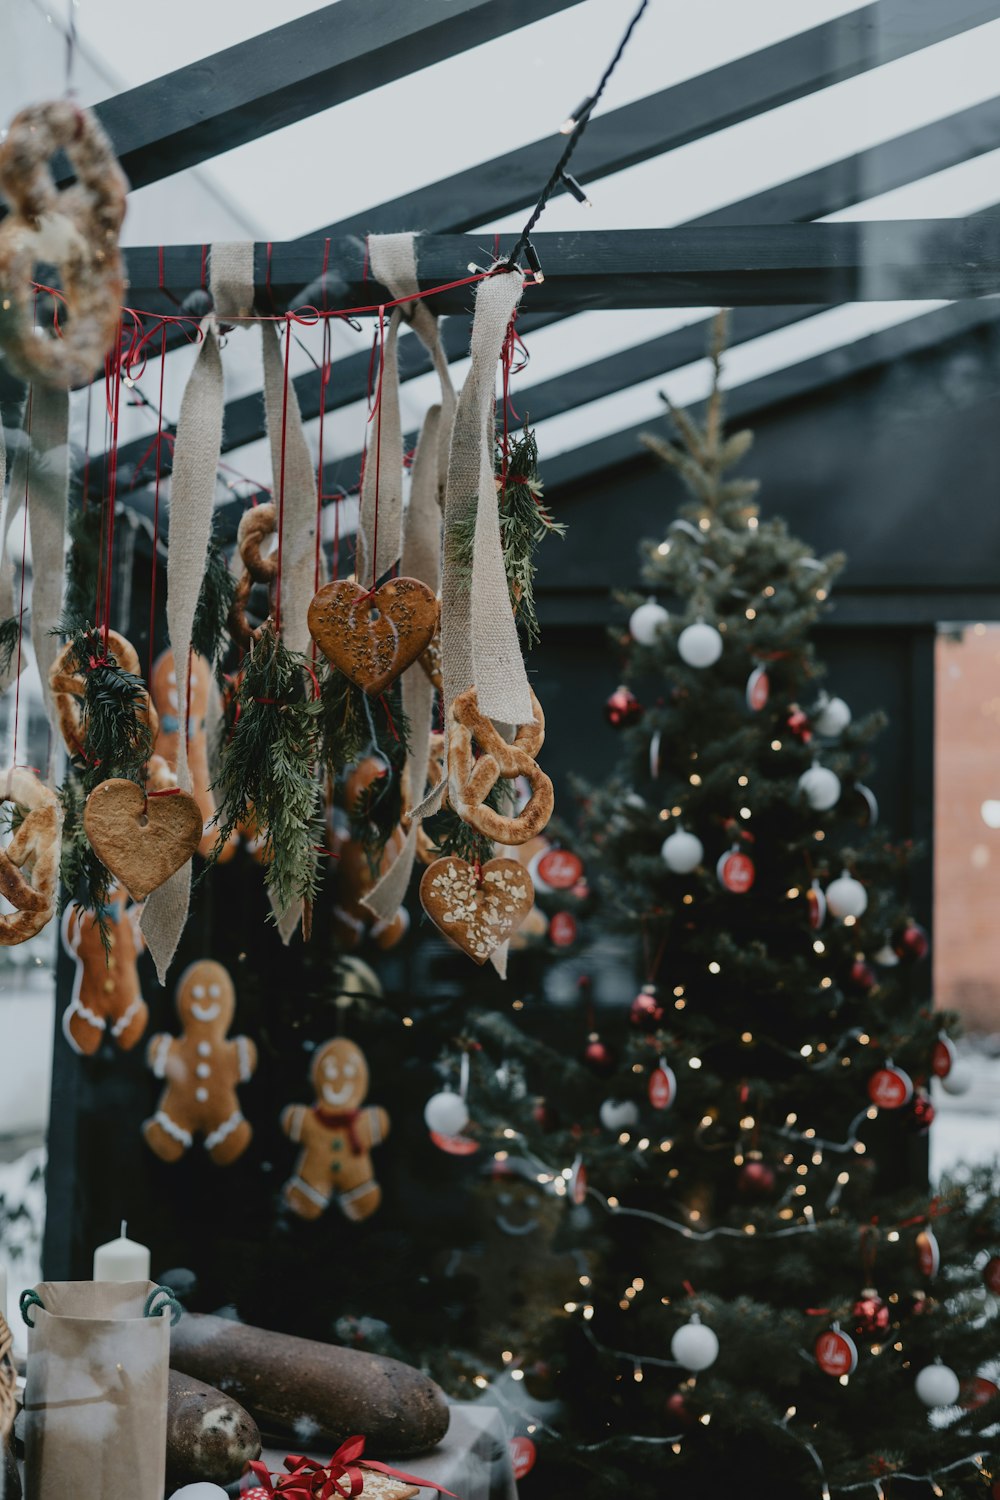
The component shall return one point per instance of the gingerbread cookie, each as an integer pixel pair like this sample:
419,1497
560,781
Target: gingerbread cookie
477,909
107,995
373,635
202,1069
355,878
29,866
75,230
256,525
142,838
199,688
336,1135
471,778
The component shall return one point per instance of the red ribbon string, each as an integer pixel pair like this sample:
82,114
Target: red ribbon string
688,1288
343,1476
378,439
281,479
156,502
326,367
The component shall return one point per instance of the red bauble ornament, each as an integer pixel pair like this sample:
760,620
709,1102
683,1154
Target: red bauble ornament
560,869
735,871
943,1056
797,723
816,899
922,1113
646,1011
662,1086
522,1456
976,1391
758,689
991,1275
622,708
545,1117
578,1182
563,930
870,1315
890,1087
756,1179
928,1253
912,943
599,1056
863,976
678,1410
836,1352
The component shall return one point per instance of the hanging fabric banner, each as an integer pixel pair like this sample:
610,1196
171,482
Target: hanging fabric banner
197,449
7,559
48,496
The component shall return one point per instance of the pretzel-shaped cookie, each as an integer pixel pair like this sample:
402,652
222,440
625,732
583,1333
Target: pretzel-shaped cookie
470,781
77,230
256,525
69,689
34,848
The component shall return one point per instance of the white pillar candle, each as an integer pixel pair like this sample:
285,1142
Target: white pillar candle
121,1260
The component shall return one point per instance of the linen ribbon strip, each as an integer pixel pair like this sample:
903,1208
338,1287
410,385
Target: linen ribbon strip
7,560
40,473
421,557
197,449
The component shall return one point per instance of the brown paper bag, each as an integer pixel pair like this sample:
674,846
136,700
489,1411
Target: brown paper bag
95,1403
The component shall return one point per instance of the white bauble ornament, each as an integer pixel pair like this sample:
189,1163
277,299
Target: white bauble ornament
446,1113
619,1114
700,644
846,897
821,787
694,1346
646,622
202,1490
831,717
959,1080
886,957
937,1385
682,852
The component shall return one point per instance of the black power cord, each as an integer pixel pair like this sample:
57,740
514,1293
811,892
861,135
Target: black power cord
574,128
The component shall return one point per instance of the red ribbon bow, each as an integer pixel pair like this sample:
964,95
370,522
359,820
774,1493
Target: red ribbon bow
339,1479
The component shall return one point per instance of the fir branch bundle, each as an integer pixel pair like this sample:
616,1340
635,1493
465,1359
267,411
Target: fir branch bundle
453,837
209,636
82,567
82,874
117,738
269,768
10,630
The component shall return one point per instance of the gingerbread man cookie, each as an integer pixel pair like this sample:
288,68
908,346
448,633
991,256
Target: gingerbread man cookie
106,992
202,1070
336,1136
164,688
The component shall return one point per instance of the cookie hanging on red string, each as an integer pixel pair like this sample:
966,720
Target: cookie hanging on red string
478,911
142,839
372,636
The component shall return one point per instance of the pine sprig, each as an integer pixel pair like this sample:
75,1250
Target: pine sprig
453,837
525,522
344,723
85,523
10,630
83,875
209,637
269,768
117,741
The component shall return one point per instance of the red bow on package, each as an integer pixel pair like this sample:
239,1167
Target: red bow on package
340,1479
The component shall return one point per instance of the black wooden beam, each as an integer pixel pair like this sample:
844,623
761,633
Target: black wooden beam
719,265
267,82
790,383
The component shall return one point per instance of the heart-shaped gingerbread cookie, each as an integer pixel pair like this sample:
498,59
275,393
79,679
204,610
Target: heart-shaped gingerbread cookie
477,915
373,637
142,842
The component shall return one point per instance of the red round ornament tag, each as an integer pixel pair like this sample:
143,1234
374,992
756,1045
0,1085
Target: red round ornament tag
560,869
662,1086
976,1391
816,901
562,929
991,1275
454,1145
736,871
836,1352
890,1088
522,1456
928,1254
943,1056
758,689
578,1182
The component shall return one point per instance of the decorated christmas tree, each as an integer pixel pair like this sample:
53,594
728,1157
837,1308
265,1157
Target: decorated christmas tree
775,1303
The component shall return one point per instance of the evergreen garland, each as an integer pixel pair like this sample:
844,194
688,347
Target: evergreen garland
209,636
269,768
85,525
10,630
117,742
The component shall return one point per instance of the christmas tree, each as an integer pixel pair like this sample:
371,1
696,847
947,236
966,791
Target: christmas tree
776,1304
